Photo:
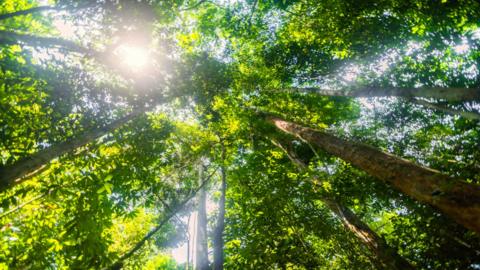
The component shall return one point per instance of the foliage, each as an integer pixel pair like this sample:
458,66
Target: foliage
213,70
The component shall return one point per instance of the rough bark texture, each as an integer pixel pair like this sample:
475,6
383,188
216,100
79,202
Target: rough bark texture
17,172
454,197
445,109
449,94
26,12
385,256
218,237
201,247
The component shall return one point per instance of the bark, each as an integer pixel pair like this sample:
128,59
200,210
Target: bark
16,173
187,265
447,93
218,236
445,109
26,12
454,197
385,256
201,247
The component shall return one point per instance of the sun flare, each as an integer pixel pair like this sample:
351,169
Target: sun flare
133,57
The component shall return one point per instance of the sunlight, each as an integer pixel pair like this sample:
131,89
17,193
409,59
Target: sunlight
133,57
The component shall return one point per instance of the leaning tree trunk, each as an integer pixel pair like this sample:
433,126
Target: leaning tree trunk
384,255
103,57
201,247
454,197
447,93
11,38
14,174
218,236
443,108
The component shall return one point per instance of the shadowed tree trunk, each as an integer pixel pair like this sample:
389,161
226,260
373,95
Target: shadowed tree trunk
454,197
201,247
385,255
218,236
14,174
447,93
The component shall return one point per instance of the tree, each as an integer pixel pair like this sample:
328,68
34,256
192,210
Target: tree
380,101
218,243
201,248
385,255
455,197
449,94
22,169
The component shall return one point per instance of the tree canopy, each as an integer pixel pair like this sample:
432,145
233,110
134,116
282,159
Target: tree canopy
255,134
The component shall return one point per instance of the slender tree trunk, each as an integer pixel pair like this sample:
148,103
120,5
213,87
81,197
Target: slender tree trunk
454,197
14,174
171,213
218,237
385,255
449,94
445,109
201,248
26,12
187,265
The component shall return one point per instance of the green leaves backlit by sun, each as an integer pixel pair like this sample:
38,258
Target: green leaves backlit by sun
145,134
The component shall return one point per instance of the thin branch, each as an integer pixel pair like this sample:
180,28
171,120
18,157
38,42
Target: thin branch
20,206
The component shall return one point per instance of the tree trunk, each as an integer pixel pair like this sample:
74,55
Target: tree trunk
14,174
454,197
170,214
445,109
26,12
218,237
11,38
449,94
201,247
385,255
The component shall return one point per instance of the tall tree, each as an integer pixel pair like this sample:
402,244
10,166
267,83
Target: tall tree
16,173
456,198
385,255
446,93
201,247
218,243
